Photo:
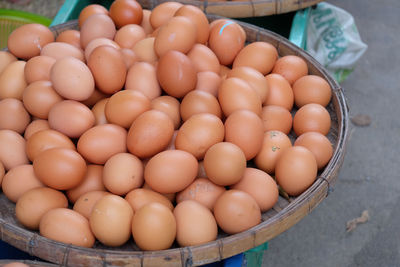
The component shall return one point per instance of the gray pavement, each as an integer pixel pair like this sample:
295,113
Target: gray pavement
370,176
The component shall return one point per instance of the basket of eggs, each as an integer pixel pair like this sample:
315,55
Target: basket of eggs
178,145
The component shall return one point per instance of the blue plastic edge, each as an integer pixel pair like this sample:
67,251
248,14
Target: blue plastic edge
298,32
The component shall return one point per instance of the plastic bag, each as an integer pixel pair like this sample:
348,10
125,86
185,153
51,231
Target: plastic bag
333,40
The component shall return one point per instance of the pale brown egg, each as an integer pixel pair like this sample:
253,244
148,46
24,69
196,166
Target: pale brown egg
142,77
197,16
13,115
39,97
27,40
85,203
209,82
154,227
111,220
170,171
93,181
311,89
129,57
101,142
15,264
98,112
291,67
95,97
12,149
72,37
19,180
5,59
163,12
59,50
311,118
32,205
169,196
144,50
203,58
129,35
224,163
280,92
36,126
146,22
38,68
96,26
296,170
170,106
276,118
236,211
139,197
203,191
245,129
196,102
99,42
89,10
12,80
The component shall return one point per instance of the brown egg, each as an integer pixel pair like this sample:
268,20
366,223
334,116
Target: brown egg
108,68
98,112
170,171
209,82
245,129
71,118
39,97
236,211
217,21
89,10
32,205
260,186
163,12
72,79
2,172
125,12
12,149
99,42
276,118
236,94
95,97
144,50
15,264
176,74
129,57
171,145
60,168
72,37
178,34
202,172
197,16
58,50
195,224
296,170
196,102
38,68
291,67
122,173
19,180
27,40
318,144
36,126
150,133
224,163
129,35
5,59
203,58
258,55
203,191
93,181
312,118
111,220
311,89
139,197
154,227
198,133
226,40
101,142
96,26
280,92
169,196
124,107
46,139
146,22
12,80
170,106
13,115
274,143
85,203
142,77
254,78
67,226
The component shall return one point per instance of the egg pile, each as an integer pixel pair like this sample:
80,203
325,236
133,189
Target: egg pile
156,125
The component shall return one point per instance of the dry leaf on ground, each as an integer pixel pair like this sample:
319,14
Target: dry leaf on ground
352,224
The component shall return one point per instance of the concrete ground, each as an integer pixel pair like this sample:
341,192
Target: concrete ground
370,176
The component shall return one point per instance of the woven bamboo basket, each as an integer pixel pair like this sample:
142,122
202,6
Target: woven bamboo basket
281,217
29,263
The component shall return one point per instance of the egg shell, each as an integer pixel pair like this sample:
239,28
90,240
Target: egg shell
296,170
85,203
154,227
66,226
13,115
223,72
145,24
245,129
93,181
195,224
199,133
124,12
163,12
171,145
224,163
128,56
72,37
111,220
311,89
142,77
58,50
32,205
209,82
27,40
12,80
311,118
276,118
2,172
101,142
139,197
171,171
35,126
99,42
291,67
197,16
5,59
198,101
203,191
19,180
12,149
89,10
203,58
128,35
169,196
96,26
274,143
236,211
280,92
98,112
144,50
95,97
38,68
39,97
170,106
